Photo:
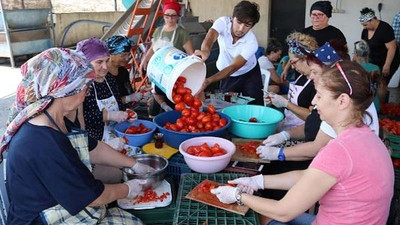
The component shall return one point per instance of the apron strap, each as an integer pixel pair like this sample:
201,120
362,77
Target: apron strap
173,34
95,92
52,120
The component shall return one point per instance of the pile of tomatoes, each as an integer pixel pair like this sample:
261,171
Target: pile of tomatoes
206,187
206,151
392,126
192,119
141,129
151,196
390,109
249,147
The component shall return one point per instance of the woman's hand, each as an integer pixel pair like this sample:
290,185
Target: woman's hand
117,116
225,194
278,100
277,139
140,168
249,184
268,153
135,187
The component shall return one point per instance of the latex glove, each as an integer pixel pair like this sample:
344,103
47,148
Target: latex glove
249,184
117,116
166,107
225,194
135,187
140,168
116,143
278,101
135,97
147,95
268,152
277,139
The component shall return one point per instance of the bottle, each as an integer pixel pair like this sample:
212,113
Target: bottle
158,140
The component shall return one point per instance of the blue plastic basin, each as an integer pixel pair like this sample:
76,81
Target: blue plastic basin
136,139
267,118
174,138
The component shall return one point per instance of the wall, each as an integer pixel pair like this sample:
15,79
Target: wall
348,22
84,30
213,9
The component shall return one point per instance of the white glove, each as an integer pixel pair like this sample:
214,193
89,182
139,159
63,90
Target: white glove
135,97
140,168
278,100
249,184
135,187
147,95
225,194
166,107
268,152
116,143
117,116
277,139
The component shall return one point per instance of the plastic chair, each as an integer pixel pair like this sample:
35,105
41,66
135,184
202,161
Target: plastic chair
266,76
4,203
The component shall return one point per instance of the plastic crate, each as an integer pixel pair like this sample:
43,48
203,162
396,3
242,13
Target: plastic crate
397,180
192,212
393,143
177,166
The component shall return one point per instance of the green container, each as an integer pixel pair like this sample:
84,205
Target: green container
394,144
190,212
240,115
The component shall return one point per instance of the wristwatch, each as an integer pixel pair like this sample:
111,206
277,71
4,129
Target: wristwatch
238,196
281,155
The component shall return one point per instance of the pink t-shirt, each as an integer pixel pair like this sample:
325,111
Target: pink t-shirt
364,172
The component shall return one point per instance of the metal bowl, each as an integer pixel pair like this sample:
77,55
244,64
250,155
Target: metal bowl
153,180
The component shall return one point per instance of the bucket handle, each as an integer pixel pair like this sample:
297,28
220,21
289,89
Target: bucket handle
195,57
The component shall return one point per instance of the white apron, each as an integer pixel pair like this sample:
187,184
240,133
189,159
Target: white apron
291,120
107,104
163,42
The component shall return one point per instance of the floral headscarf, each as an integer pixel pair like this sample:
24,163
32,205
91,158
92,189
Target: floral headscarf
54,73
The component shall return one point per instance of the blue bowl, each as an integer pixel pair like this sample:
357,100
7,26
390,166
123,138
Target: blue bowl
136,139
267,118
174,138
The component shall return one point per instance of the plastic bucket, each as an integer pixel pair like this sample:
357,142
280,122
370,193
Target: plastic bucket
169,63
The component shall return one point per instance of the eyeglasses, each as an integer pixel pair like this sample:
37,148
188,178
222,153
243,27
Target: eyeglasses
345,78
294,62
170,16
317,15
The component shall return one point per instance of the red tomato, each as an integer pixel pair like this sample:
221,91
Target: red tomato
222,122
180,106
191,121
177,98
186,112
396,163
196,102
253,120
131,113
188,99
181,91
206,119
211,109
181,79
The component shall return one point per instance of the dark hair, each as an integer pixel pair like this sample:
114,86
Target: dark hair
360,81
366,10
341,48
247,12
273,46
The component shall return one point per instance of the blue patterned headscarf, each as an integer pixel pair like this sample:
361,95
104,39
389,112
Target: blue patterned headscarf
326,54
298,49
118,44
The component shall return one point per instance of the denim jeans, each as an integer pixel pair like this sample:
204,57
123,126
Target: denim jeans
303,219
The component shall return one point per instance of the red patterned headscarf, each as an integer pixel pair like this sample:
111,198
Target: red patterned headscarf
54,73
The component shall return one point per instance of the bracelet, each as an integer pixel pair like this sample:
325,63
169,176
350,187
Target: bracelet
238,196
281,155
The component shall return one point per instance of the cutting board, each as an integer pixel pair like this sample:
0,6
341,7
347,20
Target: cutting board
206,197
166,150
244,156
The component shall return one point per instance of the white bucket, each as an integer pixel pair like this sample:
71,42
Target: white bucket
169,63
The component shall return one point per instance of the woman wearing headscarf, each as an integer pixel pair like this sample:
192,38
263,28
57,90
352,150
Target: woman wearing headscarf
120,51
298,102
170,34
49,179
380,37
103,107
343,176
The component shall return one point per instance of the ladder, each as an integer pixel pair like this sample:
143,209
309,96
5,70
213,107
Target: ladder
144,33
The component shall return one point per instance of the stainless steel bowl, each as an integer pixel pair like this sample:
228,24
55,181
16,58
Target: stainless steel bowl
153,180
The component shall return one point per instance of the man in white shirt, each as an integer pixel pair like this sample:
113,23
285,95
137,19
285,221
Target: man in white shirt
237,64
